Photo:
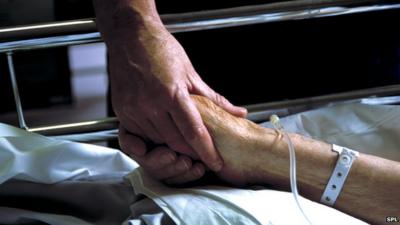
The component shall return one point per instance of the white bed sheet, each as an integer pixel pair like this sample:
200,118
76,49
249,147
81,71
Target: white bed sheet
32,157
232,206
371,129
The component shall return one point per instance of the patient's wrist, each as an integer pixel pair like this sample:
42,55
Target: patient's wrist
314,160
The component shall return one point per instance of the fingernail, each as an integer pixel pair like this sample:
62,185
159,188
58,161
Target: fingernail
167,158
243,110
182,166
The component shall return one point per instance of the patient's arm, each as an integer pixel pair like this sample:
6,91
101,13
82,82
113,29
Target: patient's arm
256,155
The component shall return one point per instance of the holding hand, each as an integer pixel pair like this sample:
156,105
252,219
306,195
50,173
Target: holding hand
152,79
162,163
151,82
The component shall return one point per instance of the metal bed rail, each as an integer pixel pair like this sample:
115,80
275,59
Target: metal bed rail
106,129
76,32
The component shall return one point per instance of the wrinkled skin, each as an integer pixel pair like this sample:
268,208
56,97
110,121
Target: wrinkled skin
151,82
237,140
152,79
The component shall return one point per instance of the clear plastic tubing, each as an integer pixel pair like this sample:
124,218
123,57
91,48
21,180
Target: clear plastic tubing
293,183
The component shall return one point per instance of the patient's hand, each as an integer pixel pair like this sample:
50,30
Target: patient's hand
161,162
256,155
239,142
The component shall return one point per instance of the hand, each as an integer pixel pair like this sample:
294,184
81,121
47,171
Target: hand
152,79
241,143
162,163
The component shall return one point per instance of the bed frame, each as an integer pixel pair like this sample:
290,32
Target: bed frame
76,32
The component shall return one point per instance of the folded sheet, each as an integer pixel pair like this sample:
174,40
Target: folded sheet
367,128
32,157
232,206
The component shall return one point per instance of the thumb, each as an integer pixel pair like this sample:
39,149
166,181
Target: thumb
201,88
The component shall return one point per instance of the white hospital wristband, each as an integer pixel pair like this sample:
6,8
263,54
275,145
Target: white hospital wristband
339,175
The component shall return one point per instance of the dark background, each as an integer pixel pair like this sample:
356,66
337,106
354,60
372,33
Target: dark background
249,64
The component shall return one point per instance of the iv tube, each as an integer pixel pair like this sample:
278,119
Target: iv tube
293,183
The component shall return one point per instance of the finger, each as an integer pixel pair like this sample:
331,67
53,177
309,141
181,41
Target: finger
149,130
190,124
145,125
157,159
182,165
203,89
195,173
154,129
130,126
172,136
131,144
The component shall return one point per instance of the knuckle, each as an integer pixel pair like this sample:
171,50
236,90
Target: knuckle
193,133
220,100
177,94
171,91
186,160
183,164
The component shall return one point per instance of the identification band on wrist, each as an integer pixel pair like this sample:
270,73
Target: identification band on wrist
339,175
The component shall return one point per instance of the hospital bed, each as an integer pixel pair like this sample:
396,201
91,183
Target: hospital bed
67,33
50,35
